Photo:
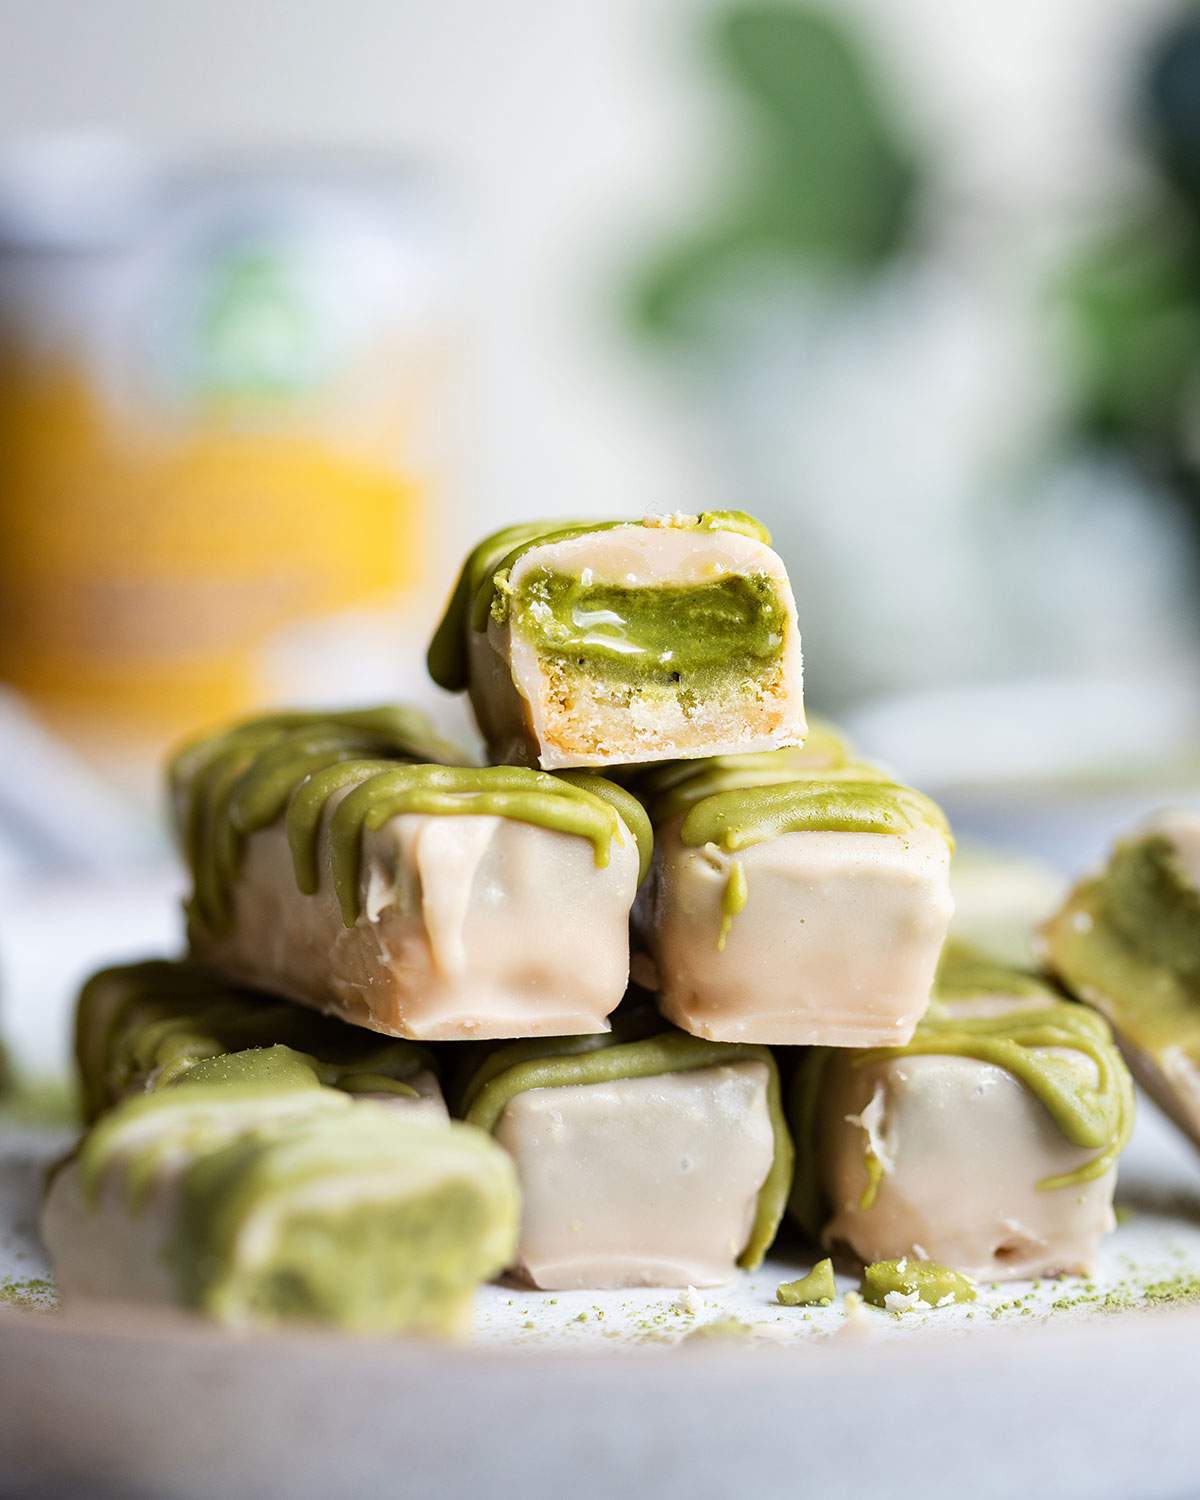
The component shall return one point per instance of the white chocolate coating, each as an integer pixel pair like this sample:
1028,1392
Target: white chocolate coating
640,1182
529,717
836,946
105,1250
429,1107
112,1247
963,1145
470,927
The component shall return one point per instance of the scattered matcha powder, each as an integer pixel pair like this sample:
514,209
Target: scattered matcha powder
29,1296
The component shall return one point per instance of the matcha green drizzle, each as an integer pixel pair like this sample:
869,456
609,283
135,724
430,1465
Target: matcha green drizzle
733,900
737,818
625,805
233,784
874,1177
514,1070
168,1016
535,797
1097,1115
484,578
806,1203
672,786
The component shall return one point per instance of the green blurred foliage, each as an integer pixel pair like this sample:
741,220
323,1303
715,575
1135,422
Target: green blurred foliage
821,180
1133,301
1135,306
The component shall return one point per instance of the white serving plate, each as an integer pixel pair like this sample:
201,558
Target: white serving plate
983,1401
1074,1401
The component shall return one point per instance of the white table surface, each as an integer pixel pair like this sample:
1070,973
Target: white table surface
1011,1396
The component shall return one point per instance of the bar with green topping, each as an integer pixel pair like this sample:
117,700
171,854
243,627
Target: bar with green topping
988,1143
337,863
646,1158
587,643
140,1027
796,897
251,1194
1127,941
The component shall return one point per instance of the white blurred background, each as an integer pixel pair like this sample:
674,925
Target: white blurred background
908,278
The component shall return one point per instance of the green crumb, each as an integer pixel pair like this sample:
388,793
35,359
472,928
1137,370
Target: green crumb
719,1328
817,1289
1123,1213
529,1323
33,1295
908,1282
581,1317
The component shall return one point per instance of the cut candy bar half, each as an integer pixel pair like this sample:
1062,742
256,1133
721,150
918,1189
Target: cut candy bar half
610,643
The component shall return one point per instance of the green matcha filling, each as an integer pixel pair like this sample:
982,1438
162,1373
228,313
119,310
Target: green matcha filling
236,783
418,1219
909,1279
510,1070
817,1289
667,634
484,577
145,1026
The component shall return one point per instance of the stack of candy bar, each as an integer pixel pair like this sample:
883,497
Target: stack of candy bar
668,930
